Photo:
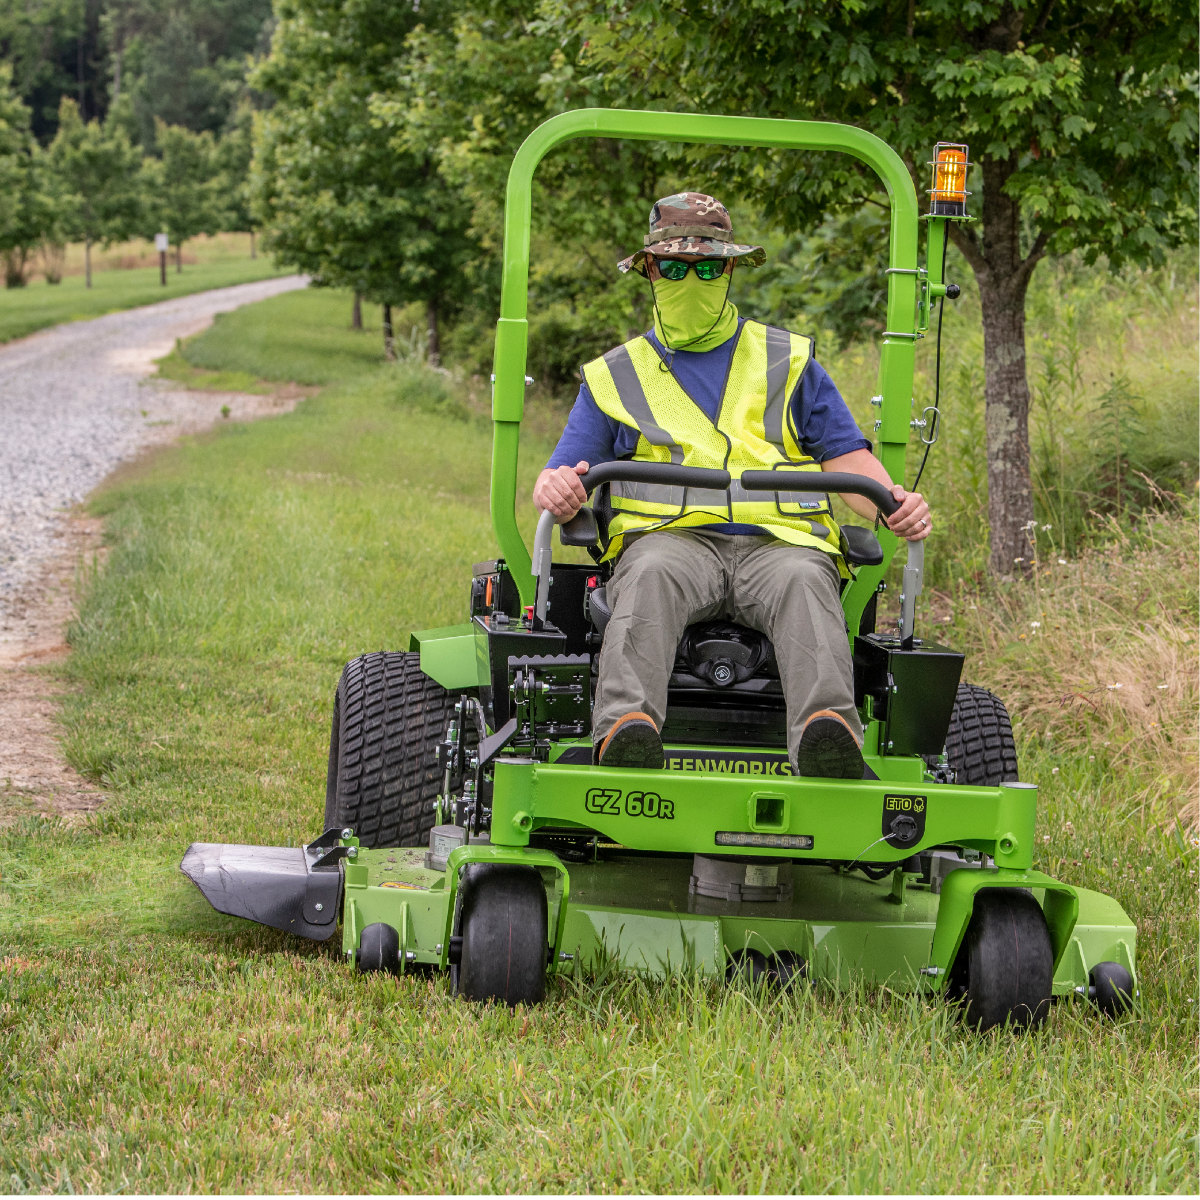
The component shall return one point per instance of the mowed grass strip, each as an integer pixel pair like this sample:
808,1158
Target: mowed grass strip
38,305
151,1044
299,337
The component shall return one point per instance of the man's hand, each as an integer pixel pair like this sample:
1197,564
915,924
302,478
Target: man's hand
911,522
560,492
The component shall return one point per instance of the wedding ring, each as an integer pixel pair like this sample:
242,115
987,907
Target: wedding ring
924,522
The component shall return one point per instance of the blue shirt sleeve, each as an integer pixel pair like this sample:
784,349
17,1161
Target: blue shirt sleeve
590,435
823,424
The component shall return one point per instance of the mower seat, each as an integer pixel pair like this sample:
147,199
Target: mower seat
860,547
711,654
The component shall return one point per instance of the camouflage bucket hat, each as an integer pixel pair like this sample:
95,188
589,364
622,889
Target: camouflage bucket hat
691,223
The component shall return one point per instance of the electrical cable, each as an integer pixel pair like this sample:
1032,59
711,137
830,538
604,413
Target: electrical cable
937,377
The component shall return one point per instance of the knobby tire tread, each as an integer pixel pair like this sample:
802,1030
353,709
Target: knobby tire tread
979,743
383,775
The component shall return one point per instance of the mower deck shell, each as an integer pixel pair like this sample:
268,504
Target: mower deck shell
636,910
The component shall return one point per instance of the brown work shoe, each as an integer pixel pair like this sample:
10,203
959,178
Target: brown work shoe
828,748
632,742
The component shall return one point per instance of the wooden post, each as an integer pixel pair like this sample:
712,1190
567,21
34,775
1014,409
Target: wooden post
160,244
389,342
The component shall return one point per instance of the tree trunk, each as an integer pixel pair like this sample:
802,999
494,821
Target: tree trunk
389,342
253,247
179,258
87,260
433,346
356,312
1003,277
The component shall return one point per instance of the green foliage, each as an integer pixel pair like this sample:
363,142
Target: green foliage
474,90
26,214
1112,356
99,171
184,188
831,279
234,153
183,63
340,199
180,61
1092,111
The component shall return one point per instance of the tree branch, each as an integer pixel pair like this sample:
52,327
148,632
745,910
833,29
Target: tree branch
1036,253
1043,17
968,245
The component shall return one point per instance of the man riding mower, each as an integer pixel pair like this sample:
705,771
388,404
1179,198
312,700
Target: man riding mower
697,753
707,388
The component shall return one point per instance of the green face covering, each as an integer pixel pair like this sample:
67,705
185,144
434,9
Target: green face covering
694,314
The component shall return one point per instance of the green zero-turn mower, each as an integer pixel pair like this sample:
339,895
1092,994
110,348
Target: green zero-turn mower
466,827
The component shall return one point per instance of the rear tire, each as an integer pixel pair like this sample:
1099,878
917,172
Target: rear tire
979,743
1004,971
504,946
383,777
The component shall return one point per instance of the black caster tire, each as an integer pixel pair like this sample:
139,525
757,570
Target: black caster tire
383,778
378,949
788,969
1113,988
504,944
1004,972
980,748
746,966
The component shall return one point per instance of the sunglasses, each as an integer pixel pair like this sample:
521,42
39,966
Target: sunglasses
707,269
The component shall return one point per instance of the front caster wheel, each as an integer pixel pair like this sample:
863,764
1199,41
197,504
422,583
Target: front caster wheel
1004,972
1112,988
378,949
504,947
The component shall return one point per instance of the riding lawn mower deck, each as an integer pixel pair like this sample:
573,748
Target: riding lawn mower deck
466,827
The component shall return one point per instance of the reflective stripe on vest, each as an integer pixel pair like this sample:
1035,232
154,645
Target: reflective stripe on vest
754,430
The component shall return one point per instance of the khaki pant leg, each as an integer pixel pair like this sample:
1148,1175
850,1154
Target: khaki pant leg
791,593
663,582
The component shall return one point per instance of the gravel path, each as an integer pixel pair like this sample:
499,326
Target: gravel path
73,407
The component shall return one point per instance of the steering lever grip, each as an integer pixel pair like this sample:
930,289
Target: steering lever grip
841,482
667,474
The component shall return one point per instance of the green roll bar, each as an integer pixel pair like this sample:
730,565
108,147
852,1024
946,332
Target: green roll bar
908,291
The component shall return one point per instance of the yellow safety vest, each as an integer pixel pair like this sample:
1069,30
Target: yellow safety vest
753,431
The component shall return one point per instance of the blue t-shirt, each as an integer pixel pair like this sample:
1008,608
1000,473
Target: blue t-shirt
826,428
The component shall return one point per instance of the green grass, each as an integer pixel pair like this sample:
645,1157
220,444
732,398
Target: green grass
300,337
150,1044
37,306
176,368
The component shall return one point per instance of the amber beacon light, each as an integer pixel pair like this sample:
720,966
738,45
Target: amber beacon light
948,196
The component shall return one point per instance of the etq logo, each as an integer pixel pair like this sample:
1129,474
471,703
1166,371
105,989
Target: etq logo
607,802
903,820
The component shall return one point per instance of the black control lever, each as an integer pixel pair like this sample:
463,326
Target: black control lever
667,474
841,482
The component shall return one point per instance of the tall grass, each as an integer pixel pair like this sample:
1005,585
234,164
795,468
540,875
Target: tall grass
1113,375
